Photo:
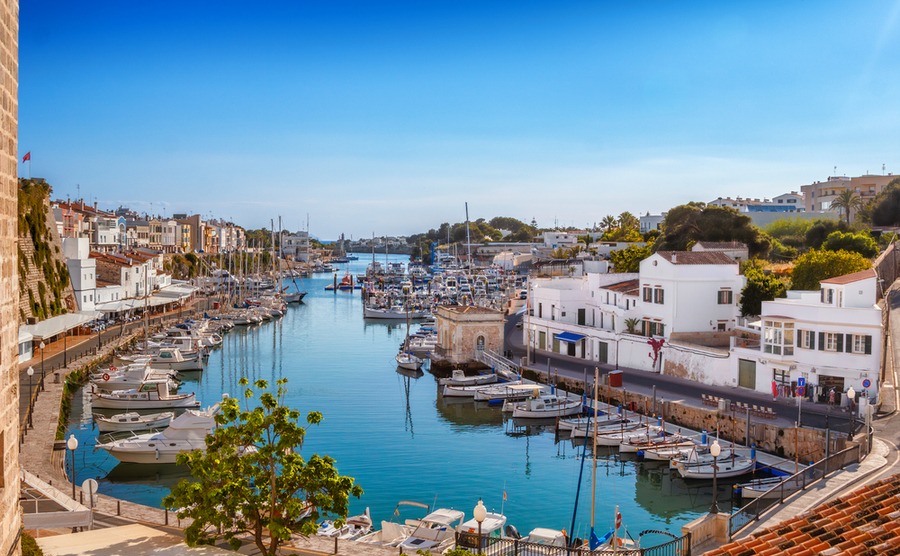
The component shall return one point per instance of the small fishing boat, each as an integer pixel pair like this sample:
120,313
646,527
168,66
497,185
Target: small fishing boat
768,487
723,468
491,528
172,358
544,406
458,378
667,453
408,361
153,394
132,421
130,377
515,390
535,542
355,527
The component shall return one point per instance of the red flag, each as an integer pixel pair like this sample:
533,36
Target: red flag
27,157
504,495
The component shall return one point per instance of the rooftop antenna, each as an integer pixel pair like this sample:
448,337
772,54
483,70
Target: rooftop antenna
835,170
882,169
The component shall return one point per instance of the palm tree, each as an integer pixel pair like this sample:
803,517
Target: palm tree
846,202
628,221
608,223
631,324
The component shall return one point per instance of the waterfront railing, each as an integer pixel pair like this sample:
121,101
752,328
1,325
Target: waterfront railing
798,482
493,546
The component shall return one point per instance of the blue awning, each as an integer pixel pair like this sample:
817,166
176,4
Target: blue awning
569,337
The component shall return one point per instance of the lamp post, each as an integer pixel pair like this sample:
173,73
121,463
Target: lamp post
72,444
479,513
851,395
715,450
41,345
30,373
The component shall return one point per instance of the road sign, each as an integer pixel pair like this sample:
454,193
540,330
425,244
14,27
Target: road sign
89,486
801,381
867,383
801,391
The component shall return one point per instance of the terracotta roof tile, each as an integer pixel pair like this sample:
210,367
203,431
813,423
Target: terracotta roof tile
850,278
696,257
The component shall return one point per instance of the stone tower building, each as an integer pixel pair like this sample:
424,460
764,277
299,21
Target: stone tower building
10,519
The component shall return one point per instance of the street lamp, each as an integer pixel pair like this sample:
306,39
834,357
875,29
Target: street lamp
30,373
72,444
479,513
41,345
851,395
715,450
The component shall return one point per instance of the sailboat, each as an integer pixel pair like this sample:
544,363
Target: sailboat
406,359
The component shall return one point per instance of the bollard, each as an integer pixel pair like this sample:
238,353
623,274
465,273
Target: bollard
118,507
167,516
335,545
703,438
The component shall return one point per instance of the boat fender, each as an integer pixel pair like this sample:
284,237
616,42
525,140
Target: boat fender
157,454
113,368
105,376
512,532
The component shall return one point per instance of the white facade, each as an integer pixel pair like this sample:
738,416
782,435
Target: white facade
82,271
557,240
830,338
650,222
688,292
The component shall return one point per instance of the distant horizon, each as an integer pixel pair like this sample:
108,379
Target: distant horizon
389,116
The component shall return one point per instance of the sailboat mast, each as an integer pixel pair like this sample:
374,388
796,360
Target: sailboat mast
594,438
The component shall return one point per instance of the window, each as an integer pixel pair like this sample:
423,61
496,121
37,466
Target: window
648,294
862,344
827,295
778,337
725,297
829,341
658,295
806,339
652,328
781,376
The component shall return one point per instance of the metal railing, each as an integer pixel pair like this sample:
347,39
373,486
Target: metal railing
493,546
496,361
797,482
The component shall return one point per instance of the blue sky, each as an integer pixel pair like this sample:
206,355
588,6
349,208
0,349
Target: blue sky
386,117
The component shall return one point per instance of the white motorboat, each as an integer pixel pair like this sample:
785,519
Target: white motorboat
544,406
132,421
616,436
356,526
435,532
408,361
131,377
515,390
584,428
491,528
391,533
667,453
185,433
153,394
449,391
726,467
172,358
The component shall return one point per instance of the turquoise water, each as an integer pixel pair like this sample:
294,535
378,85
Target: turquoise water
397,436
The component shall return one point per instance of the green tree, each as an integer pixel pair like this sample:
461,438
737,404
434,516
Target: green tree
789,231
608,223
846,202
861,243
629,259
886,205
268,492
631,324
693,222
820,229
820,264
781,252
760,287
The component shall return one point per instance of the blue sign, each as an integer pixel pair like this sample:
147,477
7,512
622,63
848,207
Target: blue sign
801,382
867,383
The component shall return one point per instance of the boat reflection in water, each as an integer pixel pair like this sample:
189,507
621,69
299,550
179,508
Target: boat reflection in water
165,475
663,492
464,413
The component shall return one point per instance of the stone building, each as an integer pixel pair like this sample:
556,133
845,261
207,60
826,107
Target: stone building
463,329
10,517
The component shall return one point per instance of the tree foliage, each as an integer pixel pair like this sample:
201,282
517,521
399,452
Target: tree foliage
624,228
820,264
820,229
860,242
760,287
629,259
693,222
886,206
789,231
268,493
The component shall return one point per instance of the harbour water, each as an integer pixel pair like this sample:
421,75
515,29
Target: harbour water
399,439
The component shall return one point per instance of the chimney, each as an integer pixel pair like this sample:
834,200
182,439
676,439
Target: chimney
674,258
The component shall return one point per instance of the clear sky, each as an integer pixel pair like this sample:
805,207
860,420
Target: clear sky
386,117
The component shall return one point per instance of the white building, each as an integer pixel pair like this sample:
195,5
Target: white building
82,271
689,292
650,222
831,338
735,249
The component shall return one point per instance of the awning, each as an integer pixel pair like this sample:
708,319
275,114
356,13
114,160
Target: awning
570,337
57,325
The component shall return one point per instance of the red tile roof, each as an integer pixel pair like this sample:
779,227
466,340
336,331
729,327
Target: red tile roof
696,257
866,521
850,278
